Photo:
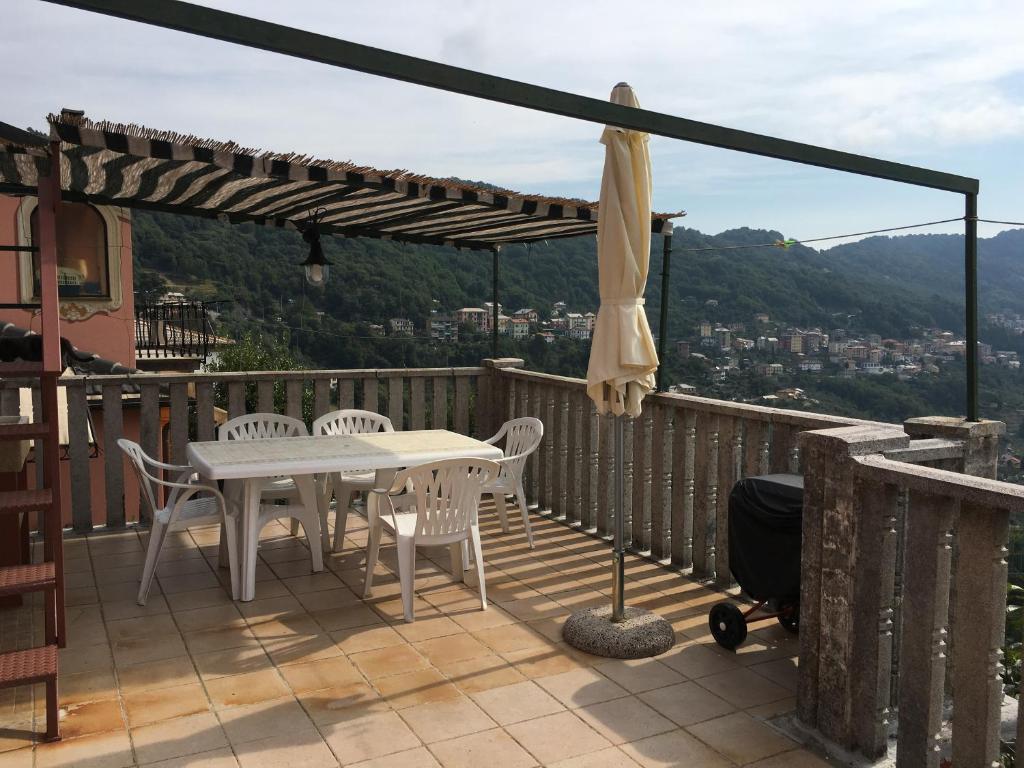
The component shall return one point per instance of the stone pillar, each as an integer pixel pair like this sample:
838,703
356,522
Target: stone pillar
980,439
493,390
848,565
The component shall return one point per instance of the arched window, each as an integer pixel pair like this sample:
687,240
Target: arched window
82,268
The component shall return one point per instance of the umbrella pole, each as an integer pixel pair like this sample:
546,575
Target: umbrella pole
619,551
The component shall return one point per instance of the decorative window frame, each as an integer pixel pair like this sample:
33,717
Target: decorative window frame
80,307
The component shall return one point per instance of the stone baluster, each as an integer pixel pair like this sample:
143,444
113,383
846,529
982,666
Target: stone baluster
978,626
848,559
683,451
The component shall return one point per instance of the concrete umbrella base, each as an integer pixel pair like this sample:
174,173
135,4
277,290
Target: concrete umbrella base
641,634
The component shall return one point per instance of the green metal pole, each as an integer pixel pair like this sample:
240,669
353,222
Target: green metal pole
666,253
971,301
494,307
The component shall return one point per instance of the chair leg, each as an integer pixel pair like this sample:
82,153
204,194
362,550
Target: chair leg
474,535
407,574
156,543
294,527
499,505
52,711
372,551
521,498
458,569
229,543
344,499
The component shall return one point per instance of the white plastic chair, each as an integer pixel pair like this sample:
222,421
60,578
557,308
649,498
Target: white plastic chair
183,509
348,421
430,505
262,426
522,437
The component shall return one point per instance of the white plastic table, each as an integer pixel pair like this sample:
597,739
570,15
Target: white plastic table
252,461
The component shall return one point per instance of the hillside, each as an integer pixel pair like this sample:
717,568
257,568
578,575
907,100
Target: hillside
884,285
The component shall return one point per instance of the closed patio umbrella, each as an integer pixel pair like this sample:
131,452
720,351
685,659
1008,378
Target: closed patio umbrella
623,359
623,362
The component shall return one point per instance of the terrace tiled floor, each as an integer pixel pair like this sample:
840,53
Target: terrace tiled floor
308,674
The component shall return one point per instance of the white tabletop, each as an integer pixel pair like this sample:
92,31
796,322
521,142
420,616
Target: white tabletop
236,459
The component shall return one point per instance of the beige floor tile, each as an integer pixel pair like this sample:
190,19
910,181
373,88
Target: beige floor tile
220,639
286,750
799,758
250,688
325,600
638,675
18,758
686,703
91,717
311,583
446,650
783,672
234,661
772,709
411,758
580,687
199,598
104,750
369,736
514,637
88,659
695,660
301,648
155,705
366,638
481,673
418,687
332,705
217,758
493,748
218,616
538,607
673,749
143,649
388,661
518,702
177,738
80,687
188,582
613,757
557,737
253,722
321,673
467,614
743,688
284,626
346,617
428,627
442,720
551,659
741,738
623,720
265,608
130,609
164,673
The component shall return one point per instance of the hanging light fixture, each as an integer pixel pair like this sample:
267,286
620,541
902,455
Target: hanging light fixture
316,265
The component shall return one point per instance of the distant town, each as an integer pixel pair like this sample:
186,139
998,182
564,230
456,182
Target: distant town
521,325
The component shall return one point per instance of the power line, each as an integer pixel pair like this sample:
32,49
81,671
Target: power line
788,243
1010,223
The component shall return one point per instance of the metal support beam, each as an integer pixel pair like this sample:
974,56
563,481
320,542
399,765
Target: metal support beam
666,254
255,33
494,300
971,301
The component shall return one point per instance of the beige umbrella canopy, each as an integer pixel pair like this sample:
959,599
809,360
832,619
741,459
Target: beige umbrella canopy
623,360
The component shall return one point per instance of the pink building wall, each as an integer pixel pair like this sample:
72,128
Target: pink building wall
110,333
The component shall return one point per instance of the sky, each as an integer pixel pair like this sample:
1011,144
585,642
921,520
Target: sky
926,82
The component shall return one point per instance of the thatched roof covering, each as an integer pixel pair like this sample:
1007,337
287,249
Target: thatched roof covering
133,166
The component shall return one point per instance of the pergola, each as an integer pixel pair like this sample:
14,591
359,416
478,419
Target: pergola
126,165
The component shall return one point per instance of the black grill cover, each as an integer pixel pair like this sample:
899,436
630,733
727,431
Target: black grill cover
764,535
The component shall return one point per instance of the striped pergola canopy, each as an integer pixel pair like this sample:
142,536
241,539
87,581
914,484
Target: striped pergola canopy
136,167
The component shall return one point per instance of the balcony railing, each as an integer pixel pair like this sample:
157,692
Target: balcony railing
903,576
173,329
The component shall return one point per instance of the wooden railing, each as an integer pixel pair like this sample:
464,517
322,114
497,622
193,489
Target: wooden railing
165,412
903,593
682,457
